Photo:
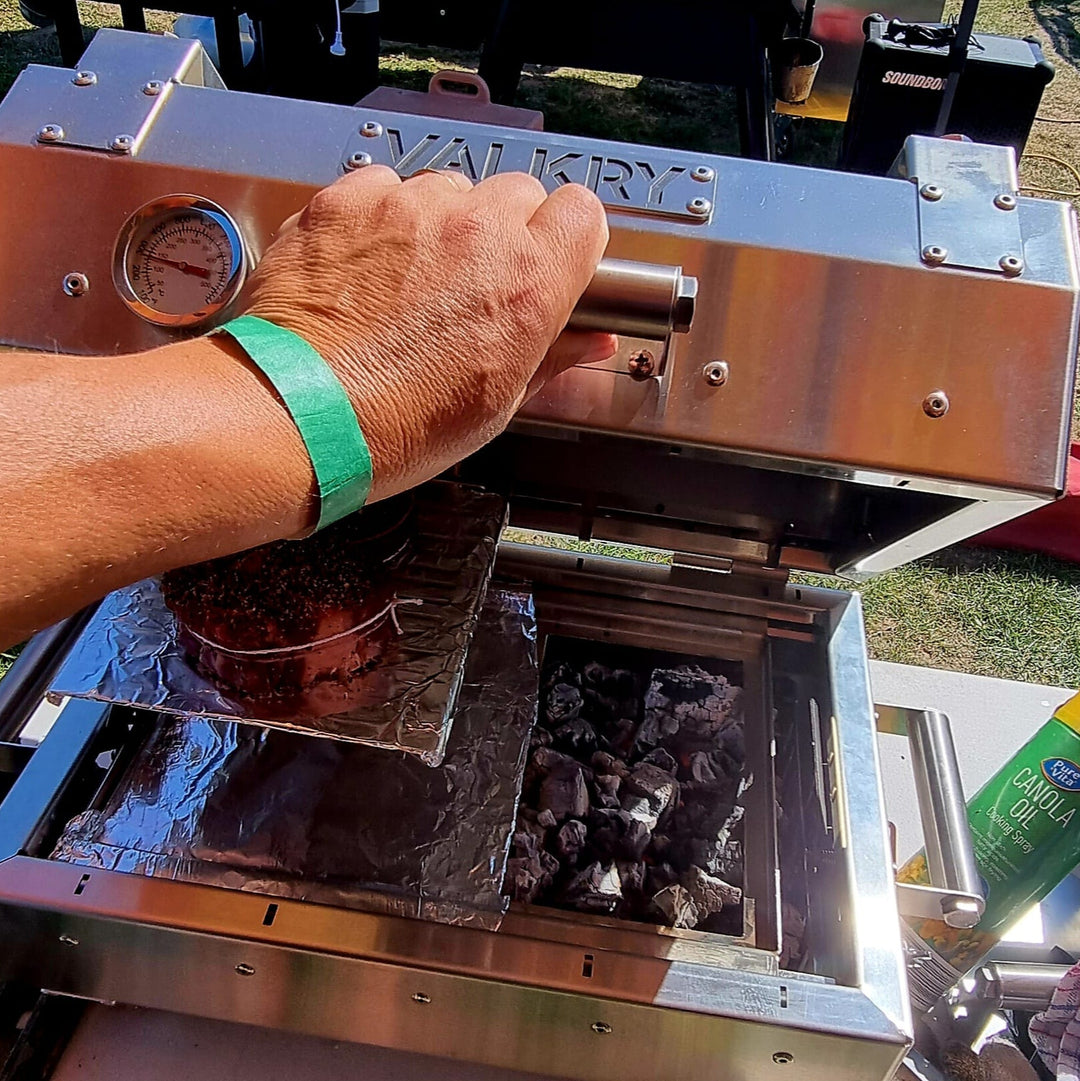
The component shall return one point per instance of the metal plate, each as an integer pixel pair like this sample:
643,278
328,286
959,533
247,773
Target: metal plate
636,179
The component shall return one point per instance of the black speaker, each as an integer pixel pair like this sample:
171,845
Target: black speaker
901,81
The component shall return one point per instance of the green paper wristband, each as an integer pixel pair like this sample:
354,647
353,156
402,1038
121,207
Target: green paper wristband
319,406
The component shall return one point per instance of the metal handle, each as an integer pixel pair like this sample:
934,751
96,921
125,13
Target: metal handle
955,892
639,300
1011,985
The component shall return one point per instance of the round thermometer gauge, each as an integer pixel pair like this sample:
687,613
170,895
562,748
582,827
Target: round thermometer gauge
179,261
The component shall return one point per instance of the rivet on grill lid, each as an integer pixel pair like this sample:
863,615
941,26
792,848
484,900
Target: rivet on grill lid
84,78
244,970
420,998
601,1028
783,1058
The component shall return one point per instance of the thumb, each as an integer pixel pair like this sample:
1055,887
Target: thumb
571,348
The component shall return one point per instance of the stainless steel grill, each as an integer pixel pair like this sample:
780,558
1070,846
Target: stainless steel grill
859,386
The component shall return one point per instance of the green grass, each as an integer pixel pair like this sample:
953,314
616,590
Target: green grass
992,613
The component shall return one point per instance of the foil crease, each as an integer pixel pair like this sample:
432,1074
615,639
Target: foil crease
129,653
276,813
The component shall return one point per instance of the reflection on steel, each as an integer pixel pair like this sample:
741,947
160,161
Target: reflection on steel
1014,985
955,892
639,300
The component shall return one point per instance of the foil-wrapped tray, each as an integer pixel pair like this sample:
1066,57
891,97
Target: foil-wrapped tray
277,813
132,651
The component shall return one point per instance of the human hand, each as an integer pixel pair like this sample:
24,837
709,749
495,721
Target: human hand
438,304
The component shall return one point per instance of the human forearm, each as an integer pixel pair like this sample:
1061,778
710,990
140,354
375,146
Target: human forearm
143,464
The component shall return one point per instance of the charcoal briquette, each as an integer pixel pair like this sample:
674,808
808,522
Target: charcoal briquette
597,888
570,840
546,819
677,907
564,792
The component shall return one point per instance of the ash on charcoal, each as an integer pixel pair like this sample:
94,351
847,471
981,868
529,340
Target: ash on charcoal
631,800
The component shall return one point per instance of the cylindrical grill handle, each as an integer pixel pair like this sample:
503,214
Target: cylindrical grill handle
1012,985
639,300
942,807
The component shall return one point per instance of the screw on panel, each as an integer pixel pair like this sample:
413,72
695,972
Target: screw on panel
783,1058
371,130
1011,264
936,404
50,133
641,364
153,88
420,998
244,970
601,1028
932,192
700,208
75,284
69,940
716,373
702,173
934,254
84,78
1005,201
122,144
357,160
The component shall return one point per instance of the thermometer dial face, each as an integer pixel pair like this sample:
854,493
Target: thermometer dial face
179,261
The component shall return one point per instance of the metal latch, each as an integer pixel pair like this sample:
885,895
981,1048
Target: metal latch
955,892
967,203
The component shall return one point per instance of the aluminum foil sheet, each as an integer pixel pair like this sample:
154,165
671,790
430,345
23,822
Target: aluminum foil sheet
318,820
130,653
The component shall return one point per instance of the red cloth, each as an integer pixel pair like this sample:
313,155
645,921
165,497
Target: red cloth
1053,530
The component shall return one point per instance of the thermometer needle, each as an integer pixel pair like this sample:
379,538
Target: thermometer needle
184,268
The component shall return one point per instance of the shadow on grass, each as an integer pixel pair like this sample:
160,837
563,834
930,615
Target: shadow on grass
21,47
1061,21
964,560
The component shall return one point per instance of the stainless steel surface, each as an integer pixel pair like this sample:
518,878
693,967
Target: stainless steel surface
678,1004
838,29
955,892
1012,985
28,679
795,295
961,213
640,300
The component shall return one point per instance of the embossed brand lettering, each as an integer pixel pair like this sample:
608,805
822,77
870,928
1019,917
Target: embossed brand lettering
618,181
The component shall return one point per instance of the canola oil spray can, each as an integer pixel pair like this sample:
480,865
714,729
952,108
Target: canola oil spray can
1025,830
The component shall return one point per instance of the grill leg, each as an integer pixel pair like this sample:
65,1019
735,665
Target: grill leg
69,31
133,15
755,105
503,57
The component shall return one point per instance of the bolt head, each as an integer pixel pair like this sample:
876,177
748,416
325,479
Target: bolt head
699,207
716,373
420,998
84,78
682,308
122,144
153,88
358,160
68,940
1005,201
372,129
934,255
936,404
75,284
703,173
932,192
783,1058
244,970
50,133
601,1028
1011,264
641,364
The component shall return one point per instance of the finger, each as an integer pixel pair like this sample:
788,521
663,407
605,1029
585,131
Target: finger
369,177
572,347
571,227
289,224
447,178
511,195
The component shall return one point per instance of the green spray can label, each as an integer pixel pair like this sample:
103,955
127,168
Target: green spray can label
1025,831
